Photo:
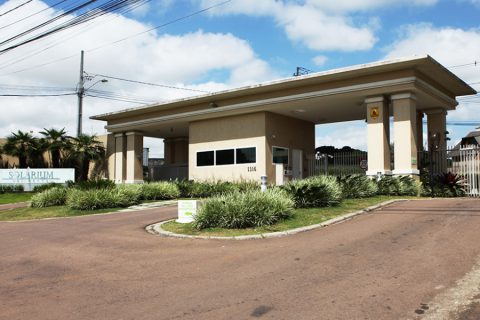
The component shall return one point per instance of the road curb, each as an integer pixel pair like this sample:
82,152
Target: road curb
156,228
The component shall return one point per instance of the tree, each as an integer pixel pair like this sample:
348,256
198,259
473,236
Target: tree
56,141
22,145
85,148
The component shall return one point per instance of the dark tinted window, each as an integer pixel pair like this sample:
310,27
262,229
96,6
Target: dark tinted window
225,157
204,158
280,155
246,155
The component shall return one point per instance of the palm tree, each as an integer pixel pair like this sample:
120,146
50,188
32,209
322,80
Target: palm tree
86,148
56,141
22,145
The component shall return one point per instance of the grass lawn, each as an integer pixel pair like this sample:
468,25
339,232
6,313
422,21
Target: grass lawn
301,218
15,197
50,212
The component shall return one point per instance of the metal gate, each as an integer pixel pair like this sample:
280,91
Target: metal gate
337,164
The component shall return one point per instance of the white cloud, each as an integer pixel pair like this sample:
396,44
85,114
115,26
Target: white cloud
363,5
320,60
342,134
177,60
305,24
451,47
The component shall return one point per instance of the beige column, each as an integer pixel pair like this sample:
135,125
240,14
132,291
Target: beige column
134,166
437,134
176,150
378,131
110,155
420,130
120,158
405,134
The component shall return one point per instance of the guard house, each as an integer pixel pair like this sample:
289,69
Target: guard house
266,128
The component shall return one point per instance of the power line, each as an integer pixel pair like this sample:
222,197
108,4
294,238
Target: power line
33,14
107,8
38,95
14,61
150,84
123,39
17,7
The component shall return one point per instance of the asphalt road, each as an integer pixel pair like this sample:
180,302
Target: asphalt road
399,262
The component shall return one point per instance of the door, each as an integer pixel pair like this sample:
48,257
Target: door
297,164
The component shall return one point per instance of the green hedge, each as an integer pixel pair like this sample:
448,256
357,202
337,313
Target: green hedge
398,186
159,191
314,192
49,197
251,208
4,188
357,186
121,196
203,189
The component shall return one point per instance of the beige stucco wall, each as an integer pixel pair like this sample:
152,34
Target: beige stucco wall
378,136
288,133
261,130
228,133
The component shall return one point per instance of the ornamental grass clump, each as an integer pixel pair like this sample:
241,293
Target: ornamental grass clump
159,191
49,198
315,192
93,199
397,186
248,209
205,189
357,186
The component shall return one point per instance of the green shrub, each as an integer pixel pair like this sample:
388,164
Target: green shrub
357,186
159,191
314,192
92,184
121,196
397,186
251,208
444,185
50,197
46,186
202,189
388,186
408,186
4,188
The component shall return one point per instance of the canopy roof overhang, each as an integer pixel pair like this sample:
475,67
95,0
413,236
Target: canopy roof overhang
325,97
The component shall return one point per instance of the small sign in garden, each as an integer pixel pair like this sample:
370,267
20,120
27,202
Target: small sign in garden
187,209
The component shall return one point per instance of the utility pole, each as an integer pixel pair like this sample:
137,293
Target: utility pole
80,93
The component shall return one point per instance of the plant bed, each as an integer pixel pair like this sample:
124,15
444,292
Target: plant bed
300,218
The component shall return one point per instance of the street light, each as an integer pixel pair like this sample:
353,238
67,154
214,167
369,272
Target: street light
81,93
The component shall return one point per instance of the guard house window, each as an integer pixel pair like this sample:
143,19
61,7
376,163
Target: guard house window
246,155
280,155
205,158
225,157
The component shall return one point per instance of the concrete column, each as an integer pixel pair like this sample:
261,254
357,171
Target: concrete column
437,129
420,131
378,130
405,134
110,155
176,150
134,166
120,158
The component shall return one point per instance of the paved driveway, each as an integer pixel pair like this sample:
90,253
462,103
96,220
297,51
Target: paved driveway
390,264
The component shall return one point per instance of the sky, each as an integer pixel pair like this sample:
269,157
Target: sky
233,44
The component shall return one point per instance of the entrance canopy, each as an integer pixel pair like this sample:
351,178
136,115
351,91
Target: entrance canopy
324,97
268,129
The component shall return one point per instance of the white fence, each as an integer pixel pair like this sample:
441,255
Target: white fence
465,162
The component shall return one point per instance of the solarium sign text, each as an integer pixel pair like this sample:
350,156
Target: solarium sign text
36,176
